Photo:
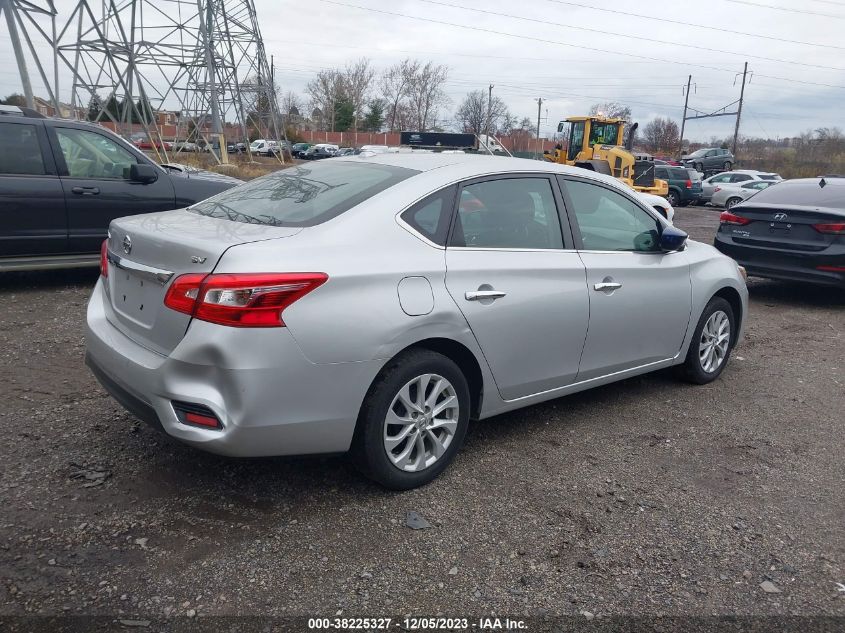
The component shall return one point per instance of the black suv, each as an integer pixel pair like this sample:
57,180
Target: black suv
709,159
63,182
683,189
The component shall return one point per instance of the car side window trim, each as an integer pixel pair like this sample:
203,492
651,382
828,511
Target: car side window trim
566,234
450,206
59,157
572,222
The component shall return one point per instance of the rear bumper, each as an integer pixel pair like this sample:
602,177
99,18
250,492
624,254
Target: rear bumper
785,265
270,399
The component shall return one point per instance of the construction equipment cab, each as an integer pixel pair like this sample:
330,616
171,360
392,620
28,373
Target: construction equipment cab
595,143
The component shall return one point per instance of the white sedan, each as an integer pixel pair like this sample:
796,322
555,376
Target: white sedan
661,205
728,195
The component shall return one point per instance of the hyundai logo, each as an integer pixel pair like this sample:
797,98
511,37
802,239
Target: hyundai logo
780,217
127,244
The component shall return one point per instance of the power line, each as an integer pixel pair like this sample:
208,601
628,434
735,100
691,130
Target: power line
605,32
788,9
559,43
697,26
524,37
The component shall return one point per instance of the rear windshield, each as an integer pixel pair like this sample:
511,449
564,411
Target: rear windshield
768,176
678,173
803,193
304,195
698,153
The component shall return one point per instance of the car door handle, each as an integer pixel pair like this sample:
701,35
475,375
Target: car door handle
607,285
86,191
478,295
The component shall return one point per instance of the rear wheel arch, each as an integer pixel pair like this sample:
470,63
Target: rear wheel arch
463,357
459,354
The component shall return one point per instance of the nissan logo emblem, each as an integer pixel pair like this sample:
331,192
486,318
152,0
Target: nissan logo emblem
127,244
780,217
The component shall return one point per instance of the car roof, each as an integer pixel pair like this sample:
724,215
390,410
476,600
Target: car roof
471,165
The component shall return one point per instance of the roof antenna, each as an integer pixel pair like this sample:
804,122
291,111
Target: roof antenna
822,183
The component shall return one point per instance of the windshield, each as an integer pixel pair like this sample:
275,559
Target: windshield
303,195
698,153
805,193
603,133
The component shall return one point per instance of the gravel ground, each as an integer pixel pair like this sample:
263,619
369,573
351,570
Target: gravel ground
645,497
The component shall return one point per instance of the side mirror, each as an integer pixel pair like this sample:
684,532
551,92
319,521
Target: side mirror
672,239
141,172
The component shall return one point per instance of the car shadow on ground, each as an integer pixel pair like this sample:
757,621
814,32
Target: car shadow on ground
173,471
41,279
786,293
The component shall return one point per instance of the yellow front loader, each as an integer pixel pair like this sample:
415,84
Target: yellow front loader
595,143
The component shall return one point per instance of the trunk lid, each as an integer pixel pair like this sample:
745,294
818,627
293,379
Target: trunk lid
784,226
146,252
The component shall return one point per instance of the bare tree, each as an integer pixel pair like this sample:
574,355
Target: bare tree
426,95
395,83
292,104
661,135
612,110
358,77
325,90
523,135
471,115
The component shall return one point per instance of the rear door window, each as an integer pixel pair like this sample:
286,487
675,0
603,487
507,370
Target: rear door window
508,213
305,195
20,151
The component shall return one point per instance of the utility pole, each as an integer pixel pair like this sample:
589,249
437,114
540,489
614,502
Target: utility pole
489,112
8,8
739,109
684,120
539,112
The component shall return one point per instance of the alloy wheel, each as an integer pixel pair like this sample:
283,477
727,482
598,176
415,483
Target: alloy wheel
715,341
421,422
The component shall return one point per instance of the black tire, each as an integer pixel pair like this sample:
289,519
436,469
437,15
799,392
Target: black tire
692,369
368,445
684,203
727,166
672,198
730,203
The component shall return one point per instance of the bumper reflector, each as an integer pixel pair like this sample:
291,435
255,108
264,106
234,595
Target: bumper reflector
196,415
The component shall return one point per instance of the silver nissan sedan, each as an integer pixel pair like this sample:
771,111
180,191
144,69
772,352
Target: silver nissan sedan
377,304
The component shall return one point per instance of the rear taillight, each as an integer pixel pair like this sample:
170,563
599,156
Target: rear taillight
833,229
689,184
727,217
104,259
717,189
240,299
831,269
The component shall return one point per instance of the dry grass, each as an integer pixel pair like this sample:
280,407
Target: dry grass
240,166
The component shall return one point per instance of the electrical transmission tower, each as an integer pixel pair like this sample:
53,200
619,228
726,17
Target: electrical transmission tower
201,60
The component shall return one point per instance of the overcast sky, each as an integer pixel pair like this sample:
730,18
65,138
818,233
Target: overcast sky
573,55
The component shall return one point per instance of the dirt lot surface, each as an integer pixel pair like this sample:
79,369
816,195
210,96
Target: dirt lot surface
645,497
